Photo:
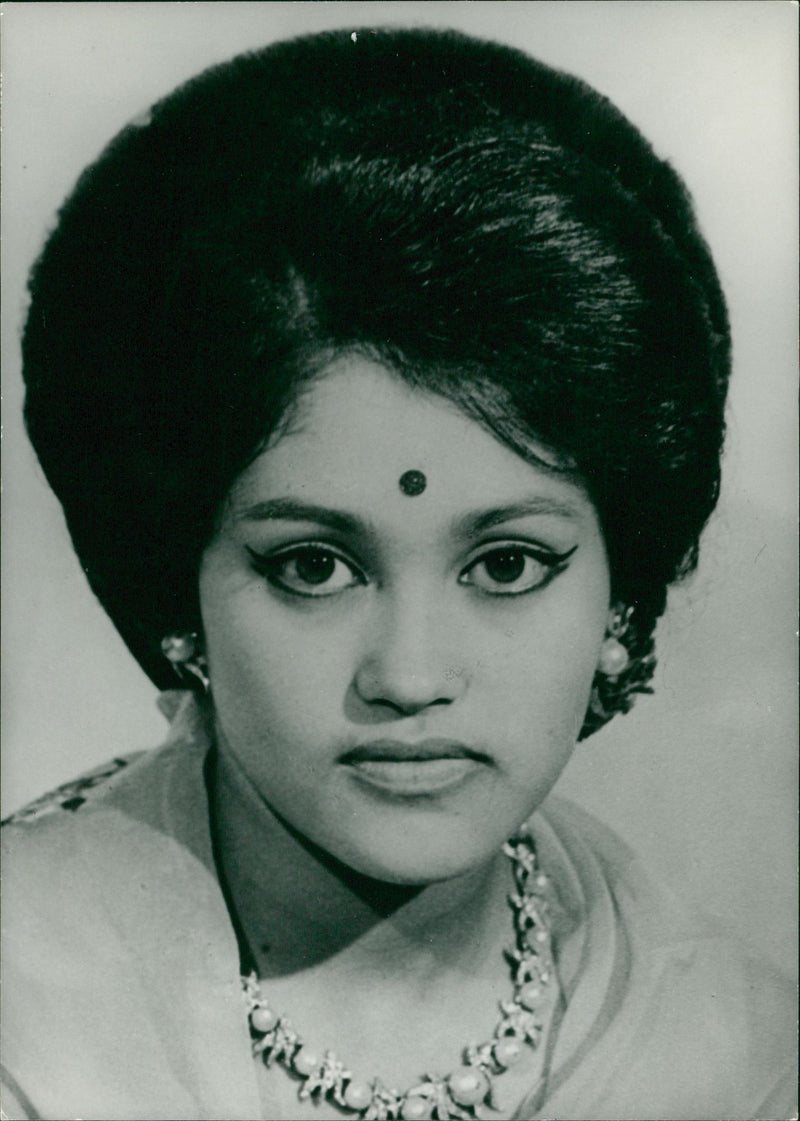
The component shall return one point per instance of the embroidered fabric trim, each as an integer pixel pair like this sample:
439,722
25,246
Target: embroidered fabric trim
69,796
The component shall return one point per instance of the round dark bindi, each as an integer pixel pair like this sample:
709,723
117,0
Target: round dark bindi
412,483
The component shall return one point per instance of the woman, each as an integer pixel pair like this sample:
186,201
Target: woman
381,377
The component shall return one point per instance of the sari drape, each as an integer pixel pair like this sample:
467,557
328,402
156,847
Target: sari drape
121,992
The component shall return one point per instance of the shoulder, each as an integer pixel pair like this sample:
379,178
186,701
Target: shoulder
110,902
51,853
82,816
698,1023
64,825
63,854
724,1018
71,854
68,863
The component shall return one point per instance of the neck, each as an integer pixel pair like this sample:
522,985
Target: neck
297,906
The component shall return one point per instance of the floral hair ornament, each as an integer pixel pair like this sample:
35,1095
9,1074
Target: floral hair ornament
625,667
185,653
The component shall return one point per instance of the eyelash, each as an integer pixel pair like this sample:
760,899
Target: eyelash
273,568
552,564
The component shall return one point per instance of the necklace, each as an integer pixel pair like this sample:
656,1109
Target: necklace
461,1094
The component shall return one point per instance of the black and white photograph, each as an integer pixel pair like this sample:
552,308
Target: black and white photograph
399,561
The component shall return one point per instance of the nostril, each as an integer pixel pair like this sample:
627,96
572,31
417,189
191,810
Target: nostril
410,707
406,680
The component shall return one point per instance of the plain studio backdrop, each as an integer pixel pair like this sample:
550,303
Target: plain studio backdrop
700,778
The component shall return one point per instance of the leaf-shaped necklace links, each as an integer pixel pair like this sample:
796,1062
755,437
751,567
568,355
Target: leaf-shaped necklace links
463,1094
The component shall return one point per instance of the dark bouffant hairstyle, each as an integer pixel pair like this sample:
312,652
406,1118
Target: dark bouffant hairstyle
489,228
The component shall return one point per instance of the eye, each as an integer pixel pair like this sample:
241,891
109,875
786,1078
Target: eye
308,570
513,569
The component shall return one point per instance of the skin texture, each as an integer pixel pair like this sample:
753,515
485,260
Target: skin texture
373,895
401,630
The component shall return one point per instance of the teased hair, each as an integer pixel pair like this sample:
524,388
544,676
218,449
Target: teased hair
490,228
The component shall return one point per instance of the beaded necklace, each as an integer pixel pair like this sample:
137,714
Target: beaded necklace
461,1095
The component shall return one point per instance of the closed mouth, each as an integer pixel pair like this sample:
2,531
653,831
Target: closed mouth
414,770
397,751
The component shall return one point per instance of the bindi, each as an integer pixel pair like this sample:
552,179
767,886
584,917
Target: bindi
412,483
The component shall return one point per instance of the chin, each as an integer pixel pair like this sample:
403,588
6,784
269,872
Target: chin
423,853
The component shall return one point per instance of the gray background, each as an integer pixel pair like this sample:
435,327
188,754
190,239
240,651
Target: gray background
701,778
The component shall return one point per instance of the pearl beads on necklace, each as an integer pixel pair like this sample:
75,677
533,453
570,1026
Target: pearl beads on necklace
465,1092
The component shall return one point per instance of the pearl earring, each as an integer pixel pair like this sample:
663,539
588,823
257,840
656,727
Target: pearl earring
623,670
185,653
614,658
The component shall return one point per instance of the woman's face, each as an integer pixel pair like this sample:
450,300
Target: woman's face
402,676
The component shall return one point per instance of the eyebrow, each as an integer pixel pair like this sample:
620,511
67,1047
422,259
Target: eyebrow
469,526
291,510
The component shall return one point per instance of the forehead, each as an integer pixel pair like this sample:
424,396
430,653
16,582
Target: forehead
359,429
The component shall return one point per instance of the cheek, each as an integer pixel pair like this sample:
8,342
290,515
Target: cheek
528,698
284,674
535,675
274,674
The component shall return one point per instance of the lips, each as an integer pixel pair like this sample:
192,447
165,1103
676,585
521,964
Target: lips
414,769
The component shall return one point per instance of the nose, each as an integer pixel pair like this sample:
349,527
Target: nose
408,664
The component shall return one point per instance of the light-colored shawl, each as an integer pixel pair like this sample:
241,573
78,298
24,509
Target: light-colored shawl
121,992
